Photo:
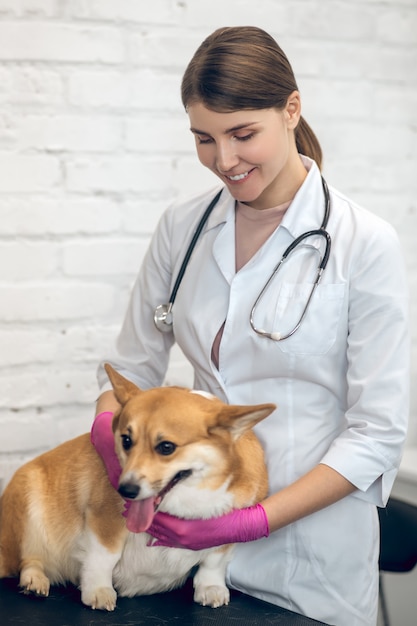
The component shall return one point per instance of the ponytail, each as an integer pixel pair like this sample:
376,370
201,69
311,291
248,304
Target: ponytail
307,142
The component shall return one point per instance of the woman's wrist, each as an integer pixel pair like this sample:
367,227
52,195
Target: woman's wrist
103,413
107,402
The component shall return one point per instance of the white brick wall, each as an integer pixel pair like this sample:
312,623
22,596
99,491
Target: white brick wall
94,144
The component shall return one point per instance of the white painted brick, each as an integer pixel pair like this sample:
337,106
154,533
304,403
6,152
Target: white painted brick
323,59
142,215
104,258
389,174
273,16
45,387
393,207
397,26
28,8
31,216
8,133
69,133
354,97
99,88
156,91
118,174
21,260
402,144
9,463
397,3
55,300
168,135
389,103
159,12
31,85
139,89
23,346
40,432
75,421
348,21
28,41
372,175
153,48
191,178
367,139
394,65
28,173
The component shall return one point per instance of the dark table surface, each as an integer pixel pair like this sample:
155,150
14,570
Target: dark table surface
63,608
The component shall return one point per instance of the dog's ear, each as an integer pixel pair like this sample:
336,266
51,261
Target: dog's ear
239,419
123,389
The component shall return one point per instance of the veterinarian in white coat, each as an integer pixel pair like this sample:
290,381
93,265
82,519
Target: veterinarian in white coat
333,445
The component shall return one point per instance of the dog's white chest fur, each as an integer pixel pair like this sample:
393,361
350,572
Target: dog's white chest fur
144,569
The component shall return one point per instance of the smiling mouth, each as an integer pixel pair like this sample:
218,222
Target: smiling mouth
238,177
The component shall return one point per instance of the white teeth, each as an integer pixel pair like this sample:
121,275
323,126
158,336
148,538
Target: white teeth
239,176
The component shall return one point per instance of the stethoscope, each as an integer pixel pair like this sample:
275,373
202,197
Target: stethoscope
163,312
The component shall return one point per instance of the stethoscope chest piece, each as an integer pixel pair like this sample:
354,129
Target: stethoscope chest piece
163,317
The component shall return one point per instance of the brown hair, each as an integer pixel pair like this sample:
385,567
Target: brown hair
243,67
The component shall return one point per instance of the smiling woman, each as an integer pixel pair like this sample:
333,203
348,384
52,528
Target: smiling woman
226,74
253,152
339,376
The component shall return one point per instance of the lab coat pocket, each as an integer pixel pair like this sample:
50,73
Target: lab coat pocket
318,330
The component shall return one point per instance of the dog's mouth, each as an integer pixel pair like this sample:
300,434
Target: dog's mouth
177,478
141,512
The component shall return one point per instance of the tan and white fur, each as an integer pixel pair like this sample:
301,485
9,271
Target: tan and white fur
61,520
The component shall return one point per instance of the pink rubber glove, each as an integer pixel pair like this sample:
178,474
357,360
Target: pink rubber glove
102,439
238,526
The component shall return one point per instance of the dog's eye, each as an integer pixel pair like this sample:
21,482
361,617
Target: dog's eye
126,442
165,448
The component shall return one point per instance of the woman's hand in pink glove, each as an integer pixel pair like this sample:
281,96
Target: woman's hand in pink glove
102,439
238,526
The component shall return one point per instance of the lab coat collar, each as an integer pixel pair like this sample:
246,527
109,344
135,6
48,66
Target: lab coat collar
305,212
224,209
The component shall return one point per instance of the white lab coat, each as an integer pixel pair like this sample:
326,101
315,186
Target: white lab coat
340,383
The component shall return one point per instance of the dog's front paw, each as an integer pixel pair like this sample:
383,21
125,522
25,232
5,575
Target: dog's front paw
103,598
33,580
213,595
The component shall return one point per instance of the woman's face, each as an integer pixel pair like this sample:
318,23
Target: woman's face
252,151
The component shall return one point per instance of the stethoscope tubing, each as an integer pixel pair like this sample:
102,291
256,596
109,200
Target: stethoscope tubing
163,312
191,247
321,232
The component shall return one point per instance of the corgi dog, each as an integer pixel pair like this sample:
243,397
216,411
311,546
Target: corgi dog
181,451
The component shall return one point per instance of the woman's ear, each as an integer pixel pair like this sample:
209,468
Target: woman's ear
292,111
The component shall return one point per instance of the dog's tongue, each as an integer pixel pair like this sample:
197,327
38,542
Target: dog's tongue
140,515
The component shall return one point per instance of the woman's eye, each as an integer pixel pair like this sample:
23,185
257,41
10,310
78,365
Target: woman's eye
203,140
244,137
165,448
126,442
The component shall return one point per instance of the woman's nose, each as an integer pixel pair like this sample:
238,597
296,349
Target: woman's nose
226,157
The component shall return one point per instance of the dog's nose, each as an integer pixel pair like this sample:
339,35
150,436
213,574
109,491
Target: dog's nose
129,490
